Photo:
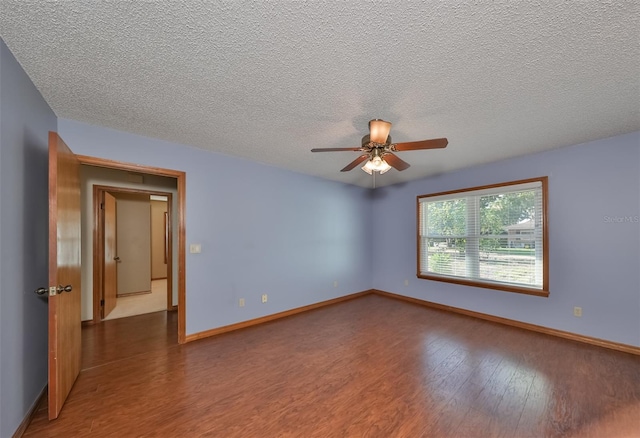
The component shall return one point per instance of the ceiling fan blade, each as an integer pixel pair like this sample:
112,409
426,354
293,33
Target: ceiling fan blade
355,162
395,162
335,149
436,143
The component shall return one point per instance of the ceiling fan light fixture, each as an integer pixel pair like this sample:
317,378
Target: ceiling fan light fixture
376,164
378,152
379,131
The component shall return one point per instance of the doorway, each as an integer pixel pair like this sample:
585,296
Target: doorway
133,252
175,224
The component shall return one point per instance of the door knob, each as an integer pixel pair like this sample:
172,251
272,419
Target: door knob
53,290
117,259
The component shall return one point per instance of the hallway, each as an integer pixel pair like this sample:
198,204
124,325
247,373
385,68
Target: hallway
142,303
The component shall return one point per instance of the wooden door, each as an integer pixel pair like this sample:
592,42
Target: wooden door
64,272
110,286
134,243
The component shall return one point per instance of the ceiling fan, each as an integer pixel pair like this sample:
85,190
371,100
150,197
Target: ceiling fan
378,151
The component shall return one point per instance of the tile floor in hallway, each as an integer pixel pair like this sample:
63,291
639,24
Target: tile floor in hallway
143,303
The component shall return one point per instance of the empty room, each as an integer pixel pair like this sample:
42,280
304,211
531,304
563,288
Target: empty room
319,219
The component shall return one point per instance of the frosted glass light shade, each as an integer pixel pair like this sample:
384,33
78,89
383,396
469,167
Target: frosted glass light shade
379,131
376,164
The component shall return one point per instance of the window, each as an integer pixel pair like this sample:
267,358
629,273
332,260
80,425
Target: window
492,236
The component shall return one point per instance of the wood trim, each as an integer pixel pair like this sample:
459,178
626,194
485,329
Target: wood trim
494,286
98,252
519,324
181,179
169,249
182,244
274,316
131,167
167,234
545,233
26,421
117,189
418,240
488,186
88,322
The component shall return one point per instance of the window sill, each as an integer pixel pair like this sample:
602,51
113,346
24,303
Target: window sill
494,286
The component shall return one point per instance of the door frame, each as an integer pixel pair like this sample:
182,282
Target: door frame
181,178
108,230
98,244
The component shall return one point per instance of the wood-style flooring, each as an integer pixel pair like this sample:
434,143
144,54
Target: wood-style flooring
369,367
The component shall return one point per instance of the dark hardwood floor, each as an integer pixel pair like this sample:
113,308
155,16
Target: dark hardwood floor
370,367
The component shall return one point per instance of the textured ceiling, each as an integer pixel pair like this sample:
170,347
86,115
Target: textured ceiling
270,80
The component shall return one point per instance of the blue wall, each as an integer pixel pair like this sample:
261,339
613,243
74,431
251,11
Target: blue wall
25,119
267,230
262,229
594,259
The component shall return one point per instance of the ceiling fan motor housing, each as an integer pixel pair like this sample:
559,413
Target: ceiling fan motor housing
366,141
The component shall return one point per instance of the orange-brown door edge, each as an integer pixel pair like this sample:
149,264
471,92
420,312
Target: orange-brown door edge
110,288
64,272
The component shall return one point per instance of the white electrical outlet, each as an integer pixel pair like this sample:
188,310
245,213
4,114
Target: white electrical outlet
335,283
195,248
241,302
264,298
577,311
406,282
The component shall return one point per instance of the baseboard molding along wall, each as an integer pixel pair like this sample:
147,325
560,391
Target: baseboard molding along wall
497,319
263,319
42,398
513,323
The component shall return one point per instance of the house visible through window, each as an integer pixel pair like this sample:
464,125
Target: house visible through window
492,236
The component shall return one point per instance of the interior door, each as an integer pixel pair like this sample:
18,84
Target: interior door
110,255
134,243
64,272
